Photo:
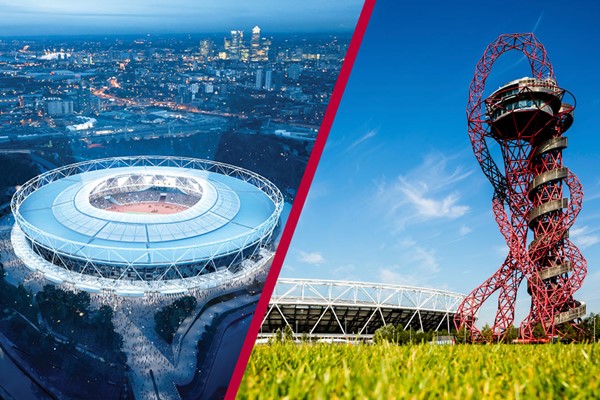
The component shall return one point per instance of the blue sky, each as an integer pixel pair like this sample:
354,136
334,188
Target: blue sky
398,196
37,17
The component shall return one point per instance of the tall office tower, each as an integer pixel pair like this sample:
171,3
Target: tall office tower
264,48
269,80
236,45
245,54
226,46
259,78
206,49
83,98
255,44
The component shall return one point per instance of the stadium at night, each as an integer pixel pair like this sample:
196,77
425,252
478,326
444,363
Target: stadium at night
333,310
145,225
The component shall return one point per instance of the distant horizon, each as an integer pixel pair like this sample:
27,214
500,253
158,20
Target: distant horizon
91,17
168,34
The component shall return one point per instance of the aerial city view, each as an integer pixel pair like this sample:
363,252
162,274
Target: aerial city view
146,180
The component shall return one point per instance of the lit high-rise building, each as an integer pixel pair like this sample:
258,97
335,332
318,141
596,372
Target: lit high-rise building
255,44
244,54
269,80
259,79
206,49
236,45
264,49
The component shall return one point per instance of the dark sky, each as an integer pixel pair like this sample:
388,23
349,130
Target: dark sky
56,17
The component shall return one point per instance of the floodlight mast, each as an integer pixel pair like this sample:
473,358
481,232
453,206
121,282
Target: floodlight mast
527,118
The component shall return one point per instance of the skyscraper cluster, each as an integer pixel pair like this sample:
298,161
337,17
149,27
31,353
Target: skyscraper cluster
237,49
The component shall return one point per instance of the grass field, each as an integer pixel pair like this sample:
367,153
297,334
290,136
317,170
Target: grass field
325,371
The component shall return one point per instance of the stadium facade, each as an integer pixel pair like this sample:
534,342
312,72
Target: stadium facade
355,310
147,224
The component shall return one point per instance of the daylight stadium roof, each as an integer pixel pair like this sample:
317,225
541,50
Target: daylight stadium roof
237,210
339,309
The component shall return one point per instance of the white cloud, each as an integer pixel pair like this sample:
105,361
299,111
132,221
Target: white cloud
430,207
288,267
371,133
424,193
464,230
314,258
418,268
583,237
425,260
393,277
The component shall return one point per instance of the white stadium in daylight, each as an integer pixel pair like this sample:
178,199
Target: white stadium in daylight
339,310
145,225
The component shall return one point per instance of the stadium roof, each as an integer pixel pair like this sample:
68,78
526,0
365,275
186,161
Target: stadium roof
224,233
226,218
324,308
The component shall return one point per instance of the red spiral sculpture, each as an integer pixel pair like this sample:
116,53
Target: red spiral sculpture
527,118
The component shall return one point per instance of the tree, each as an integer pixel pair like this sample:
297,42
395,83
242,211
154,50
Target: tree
569,333
539,332
487,334
511,334
386,333
402,335
462,336
591,328
278,338
422,337
169,318
288,334
595,327
412,335
104,328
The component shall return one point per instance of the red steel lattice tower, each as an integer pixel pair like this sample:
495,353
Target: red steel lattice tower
535,192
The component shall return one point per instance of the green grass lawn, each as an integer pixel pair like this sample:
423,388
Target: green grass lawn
339,371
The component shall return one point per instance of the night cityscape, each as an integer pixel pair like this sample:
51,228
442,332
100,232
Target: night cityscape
243,97
89,92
